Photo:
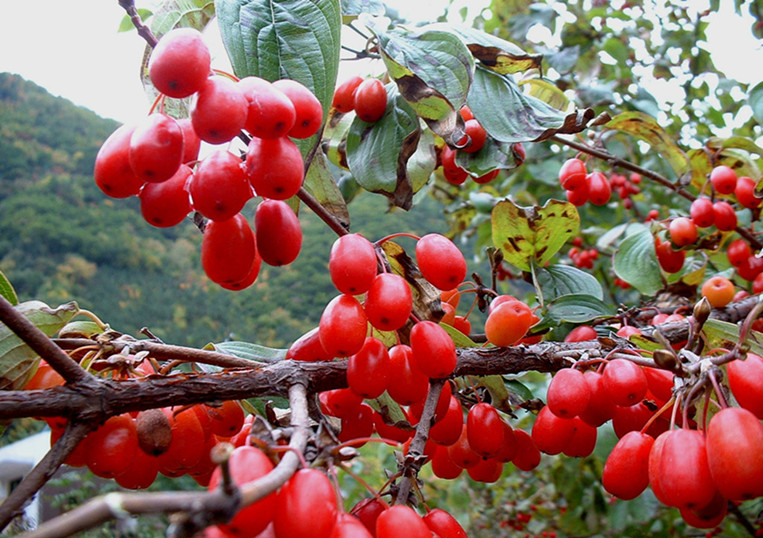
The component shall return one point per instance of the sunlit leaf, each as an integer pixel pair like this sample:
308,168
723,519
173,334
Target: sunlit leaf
321,185
7,291
187,13
636,262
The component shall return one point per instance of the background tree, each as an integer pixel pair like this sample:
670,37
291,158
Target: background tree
500,166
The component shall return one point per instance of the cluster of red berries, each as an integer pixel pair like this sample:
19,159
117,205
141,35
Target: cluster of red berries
583,258
366,96
157,159
625,187
582,187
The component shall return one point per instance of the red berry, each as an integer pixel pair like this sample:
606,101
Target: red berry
682,231
167,203
352,264
702,213
528,456
599,191
370,100
583,440
484,430
443,524
110,449
745,192
343,326
113,173
344,95
278,232
275,167
600,407
368,369
407,384
447,430
725,216
389,302
508,323
306,105
453,173
685,479
269,113
400,520
624,382
734,449
738,251
440,261
433,350
308,348
476,136
573,175
219,111
745,382
228,250
568,393
550,433
626,472
671,261
581,333
306,506
219,188
724,179
180,63
156,148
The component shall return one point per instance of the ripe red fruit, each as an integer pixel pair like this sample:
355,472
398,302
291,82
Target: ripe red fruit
407,384
352,264
707,517
745,383
389,302
191,141
226,419
573,175
453,173
702,213
581,334
583,440
156,148
308,348
528,456
348,526
219,111
340,402
578,197
724,179
509,447
344,95
433,350
568,393
630,418
306,506
278,232
508,323
357,425
725,216
477,136
184,450
745,192
738,251
269,112
718,290
306,105
247,464
735,453
484,430
368,369
113,173
443,524
440,261
228,250
343,326
671,261
167,203
750,268
447,430
685,480
274,167
624,382
180,63
370,99
599,191
367,511
442,466
219,187
486,471
462,454
141,472
682,231
486,178
400,520
110,449
551,433
626,472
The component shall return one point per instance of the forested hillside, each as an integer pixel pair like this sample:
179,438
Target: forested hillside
61,239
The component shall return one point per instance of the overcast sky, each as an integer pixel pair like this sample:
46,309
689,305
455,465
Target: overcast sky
73,49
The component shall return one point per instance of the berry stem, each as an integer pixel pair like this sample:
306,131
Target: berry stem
143,30
393,236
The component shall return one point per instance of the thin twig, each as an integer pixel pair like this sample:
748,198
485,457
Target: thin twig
143,30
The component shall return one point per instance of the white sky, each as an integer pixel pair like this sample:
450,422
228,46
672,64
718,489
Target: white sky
73,50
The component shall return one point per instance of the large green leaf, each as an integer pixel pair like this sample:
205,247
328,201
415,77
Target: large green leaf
575,308
17,360
559,280
433,70
191,13
527,234
636,262
7,291
274,39
647,128
510,115
321,185
378,153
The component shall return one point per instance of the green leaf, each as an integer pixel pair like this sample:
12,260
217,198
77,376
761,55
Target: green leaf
335,137
296,39
493,52
575,308
739,142
521,390
722,334
378,153
80,329
433,70
191,13
321,185
527,234
126,25
352,8
649,130
559,280
520,117
756,102
17,360
617,49
385,404
248,351
494,154
499,395
546,92
459,338
7,291
636,262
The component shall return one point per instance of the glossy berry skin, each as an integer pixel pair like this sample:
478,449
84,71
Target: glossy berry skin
270,113
389,302
370,99
484,430
581,334
228,250
745,383
626,471
443,524
274,167
583,440
191,142
447,430
433,350
671,261
407,384
568,393
735,453
167,203
113,173
110,448
247,464
453,173
348,526
219,111
600,407
306,105
278,232
440,261
573,175
702,213
725,216
718,290
308,348
682,231
508,323
306,506
599,190
368,369
367,511
487,471
180,63
745,192
738,252
724,179
352,264
340,402
156,148
344,95
343,326
400,520
550,433
477,136
219,187
624,381
685,479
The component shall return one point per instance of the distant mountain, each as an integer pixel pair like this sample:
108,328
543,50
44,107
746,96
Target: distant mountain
62,239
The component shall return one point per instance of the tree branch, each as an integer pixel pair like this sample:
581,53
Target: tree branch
143,30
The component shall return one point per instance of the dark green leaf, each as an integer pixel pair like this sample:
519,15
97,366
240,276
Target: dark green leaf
249,351
297,39
576,308
494,154
559,280
519,389
520,117
7,291
756,102
636,262
499,395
